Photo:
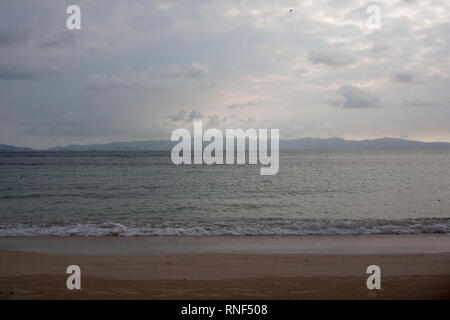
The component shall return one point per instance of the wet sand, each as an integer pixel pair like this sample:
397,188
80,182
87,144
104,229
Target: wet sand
301,267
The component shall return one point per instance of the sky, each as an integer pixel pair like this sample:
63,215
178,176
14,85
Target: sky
137,70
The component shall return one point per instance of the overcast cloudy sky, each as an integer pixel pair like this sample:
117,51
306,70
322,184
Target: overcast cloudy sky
139,69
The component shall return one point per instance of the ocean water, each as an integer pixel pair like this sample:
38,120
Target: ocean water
143,193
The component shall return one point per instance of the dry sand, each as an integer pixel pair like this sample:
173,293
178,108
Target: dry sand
224,275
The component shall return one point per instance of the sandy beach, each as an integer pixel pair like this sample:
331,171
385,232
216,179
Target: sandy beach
297,267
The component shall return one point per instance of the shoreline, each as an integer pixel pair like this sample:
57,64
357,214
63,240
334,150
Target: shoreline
290,244
320,267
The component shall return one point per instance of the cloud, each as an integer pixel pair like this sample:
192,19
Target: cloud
354,97
151,79
195,114
245,104
419,103
65,38
248,120
197,70
404,77
13,36
214,121
332,57
380,48
194,70
26,73
101,82
177,117
184,116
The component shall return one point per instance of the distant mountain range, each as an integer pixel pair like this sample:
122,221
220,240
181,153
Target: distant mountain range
151,145
374,144
296,144
8,148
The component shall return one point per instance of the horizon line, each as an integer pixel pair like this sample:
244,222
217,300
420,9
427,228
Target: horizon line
169,141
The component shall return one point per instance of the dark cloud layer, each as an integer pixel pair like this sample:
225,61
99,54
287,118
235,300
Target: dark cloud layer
185,116
404,77
26,73
354,97
13,36
332,57
65,38
243,105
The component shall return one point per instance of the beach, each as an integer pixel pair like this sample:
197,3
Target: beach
255,267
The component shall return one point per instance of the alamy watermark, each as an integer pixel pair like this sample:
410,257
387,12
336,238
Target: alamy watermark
374,280
74,280
73,22
235,148
374,20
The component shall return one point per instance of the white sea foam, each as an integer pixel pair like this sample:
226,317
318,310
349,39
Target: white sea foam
307,227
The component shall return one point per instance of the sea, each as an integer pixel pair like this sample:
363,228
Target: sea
145,194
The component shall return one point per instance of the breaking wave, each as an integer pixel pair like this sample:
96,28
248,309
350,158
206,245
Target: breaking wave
242,227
